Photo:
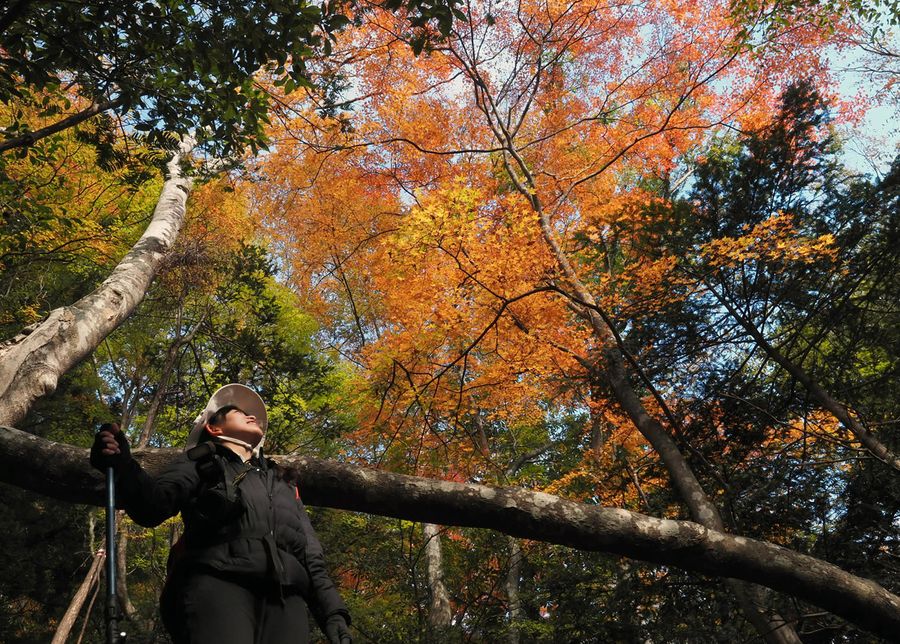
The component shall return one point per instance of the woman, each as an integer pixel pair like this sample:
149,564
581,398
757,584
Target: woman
249,562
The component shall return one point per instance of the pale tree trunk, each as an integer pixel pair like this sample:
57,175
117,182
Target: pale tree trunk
439,613
131,395
92,540
71,615
62,472
480,437
32,362
514,569
513,575
122,567
634,478
162,387
174,533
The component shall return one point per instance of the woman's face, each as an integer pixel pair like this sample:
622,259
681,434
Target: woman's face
237,424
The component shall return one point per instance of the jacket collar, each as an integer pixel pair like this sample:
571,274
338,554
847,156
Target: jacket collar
257,460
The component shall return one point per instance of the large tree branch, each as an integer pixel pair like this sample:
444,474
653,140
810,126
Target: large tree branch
32,362
30,138
62,471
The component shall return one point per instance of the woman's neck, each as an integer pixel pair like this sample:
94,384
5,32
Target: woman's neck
239,448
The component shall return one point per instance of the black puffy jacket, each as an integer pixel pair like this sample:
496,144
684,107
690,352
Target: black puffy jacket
258,528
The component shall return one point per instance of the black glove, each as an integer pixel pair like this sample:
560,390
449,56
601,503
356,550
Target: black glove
336,630
110,448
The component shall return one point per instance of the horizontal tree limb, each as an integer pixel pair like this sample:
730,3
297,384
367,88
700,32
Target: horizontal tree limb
30,138
62,472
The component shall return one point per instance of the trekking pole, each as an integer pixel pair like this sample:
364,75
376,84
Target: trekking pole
113,635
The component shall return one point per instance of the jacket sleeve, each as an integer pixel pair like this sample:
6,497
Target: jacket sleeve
149,501
324,599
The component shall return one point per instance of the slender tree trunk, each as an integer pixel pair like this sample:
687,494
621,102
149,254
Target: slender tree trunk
71,614
439,613
122,568
480,437
162,387
131,395
773,628
597,420
32,362
514,570
513,575
87,612
92,540
174,533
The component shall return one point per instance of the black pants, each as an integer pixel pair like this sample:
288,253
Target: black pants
209,609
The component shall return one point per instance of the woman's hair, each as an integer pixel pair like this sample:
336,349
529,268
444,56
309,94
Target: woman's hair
219,417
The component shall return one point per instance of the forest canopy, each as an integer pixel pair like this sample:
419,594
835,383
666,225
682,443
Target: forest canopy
579,316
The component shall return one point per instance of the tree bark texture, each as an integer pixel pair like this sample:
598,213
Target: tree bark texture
62,472
513,574
87,613
439,613
32,362
122,568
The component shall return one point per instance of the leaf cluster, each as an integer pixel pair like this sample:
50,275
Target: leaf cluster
176,67
69,208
